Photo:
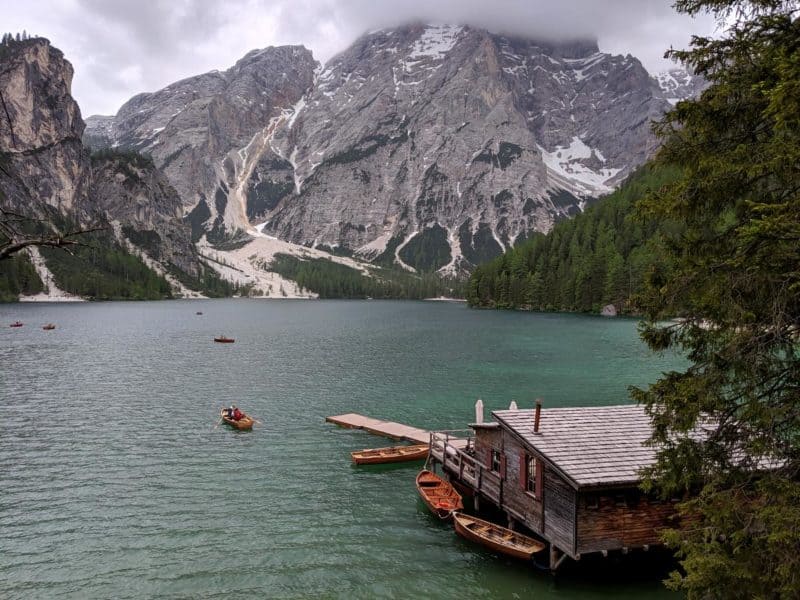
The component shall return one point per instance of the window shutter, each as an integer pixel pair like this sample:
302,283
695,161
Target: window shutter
503,466
523,471
539,478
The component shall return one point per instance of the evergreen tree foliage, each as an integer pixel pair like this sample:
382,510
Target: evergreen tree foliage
102,270
208,282
600,257
330,279
18,276
735,276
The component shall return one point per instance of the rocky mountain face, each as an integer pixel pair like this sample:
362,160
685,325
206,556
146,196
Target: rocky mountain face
43,160
202,131
431,147
143,207
46,172
439,147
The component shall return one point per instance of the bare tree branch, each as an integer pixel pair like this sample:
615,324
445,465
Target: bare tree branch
12,240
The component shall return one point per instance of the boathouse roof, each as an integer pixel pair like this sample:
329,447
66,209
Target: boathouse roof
594,446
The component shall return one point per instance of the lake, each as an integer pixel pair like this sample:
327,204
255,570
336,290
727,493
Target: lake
116,482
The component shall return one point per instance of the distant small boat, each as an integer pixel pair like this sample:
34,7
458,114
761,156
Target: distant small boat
199,312
495,537
224,340
439,495
245,423
391,454
48,327
17,324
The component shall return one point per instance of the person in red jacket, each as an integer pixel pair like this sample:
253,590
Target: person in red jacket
237,414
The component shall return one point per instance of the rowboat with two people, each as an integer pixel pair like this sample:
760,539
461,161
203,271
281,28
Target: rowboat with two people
17,324
221,339
236,418
439,495
495,537
392,454
48,327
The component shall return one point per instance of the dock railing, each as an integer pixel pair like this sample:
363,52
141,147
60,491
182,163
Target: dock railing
448,448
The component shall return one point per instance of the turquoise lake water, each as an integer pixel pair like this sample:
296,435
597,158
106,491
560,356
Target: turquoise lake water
115,483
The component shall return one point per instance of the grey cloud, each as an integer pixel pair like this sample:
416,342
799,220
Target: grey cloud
120,48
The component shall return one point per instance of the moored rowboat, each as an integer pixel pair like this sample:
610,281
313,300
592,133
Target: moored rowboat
224,340
497,538
391,454
245,423
439,495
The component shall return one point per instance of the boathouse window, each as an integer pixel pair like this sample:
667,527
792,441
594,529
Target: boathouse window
592,501
495,460
531,475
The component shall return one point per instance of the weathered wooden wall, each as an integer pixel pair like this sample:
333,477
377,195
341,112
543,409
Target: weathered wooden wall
559,511
551,516
622,519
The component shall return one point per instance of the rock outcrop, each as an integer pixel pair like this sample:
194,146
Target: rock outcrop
130,191
204,131
44,163
46,173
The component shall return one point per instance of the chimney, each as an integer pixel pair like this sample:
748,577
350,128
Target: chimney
537,416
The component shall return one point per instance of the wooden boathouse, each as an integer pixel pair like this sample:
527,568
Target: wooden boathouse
569,475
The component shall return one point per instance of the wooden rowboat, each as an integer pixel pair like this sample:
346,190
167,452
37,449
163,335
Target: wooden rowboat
391,454
439,495
17,324
224,340
245,423
497,538
48,327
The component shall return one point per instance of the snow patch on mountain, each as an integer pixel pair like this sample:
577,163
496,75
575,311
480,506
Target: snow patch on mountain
567,163
435,42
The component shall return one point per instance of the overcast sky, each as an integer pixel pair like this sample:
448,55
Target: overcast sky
122,47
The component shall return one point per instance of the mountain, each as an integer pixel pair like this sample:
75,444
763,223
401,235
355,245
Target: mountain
601,257
43,159
428,147
201,131
46,174
680,84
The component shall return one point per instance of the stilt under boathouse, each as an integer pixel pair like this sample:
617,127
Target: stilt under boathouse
569,475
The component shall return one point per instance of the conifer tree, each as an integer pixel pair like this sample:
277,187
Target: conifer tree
727,429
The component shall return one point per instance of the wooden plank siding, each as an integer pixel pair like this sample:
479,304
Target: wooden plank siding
585,497
559,511
621,519
520,503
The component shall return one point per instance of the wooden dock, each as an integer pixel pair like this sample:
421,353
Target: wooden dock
390,429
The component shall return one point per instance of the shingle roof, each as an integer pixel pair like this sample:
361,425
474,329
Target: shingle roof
592,446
